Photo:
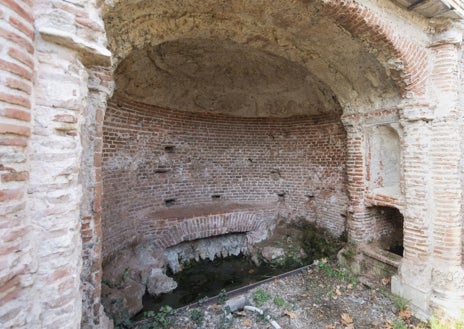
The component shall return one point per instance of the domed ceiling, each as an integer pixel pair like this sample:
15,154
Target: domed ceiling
221,76
244,58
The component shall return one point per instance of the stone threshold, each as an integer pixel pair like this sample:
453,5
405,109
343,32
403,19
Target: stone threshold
381,255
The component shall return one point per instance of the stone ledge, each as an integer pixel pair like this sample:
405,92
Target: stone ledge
90,53
381,255
207,209
382,198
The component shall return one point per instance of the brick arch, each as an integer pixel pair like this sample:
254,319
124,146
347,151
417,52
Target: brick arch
406,59
254,222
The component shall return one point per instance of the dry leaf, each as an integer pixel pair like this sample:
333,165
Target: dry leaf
405,315
330,326
388,325
338,292
240,313
246,323
216,307
347,321
350,286
385,281
290,314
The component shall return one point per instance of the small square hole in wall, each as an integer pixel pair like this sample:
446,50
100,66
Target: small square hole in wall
281,196
309,195
169,149
170,202
216,196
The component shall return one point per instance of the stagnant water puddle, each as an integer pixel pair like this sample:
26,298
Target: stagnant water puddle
208,278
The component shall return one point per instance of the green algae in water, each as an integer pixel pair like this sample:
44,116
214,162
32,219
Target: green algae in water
207,278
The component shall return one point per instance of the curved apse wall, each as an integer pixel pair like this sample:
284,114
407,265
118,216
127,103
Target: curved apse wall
156,158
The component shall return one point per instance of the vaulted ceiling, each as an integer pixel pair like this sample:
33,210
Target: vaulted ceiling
244,58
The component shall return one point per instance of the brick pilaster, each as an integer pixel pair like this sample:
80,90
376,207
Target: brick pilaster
446,157
17,263
360,219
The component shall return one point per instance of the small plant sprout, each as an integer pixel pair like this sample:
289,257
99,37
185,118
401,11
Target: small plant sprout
197,316
260,297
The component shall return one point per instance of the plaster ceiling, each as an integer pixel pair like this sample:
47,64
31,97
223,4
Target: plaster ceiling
222,76
244,58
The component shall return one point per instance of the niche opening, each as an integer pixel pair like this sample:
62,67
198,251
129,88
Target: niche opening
169,149
389,229
170,202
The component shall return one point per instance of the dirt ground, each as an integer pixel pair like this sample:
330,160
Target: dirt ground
323,296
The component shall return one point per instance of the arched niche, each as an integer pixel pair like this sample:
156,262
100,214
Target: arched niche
384,160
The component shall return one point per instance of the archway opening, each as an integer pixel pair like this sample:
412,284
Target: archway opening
389,229
220,112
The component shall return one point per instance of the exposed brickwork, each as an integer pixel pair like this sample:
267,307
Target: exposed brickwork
175,229
388,228
100,86
411,67
16,258
154,155
446,160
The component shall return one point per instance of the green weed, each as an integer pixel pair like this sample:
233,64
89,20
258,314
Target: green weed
222,297
280,302
260,297
439,322
161,318
197,316
400,302
398,324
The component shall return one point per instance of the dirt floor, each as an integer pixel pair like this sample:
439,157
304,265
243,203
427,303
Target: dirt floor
323,296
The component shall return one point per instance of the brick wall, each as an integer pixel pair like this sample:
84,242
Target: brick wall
16,77
153,157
